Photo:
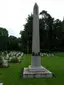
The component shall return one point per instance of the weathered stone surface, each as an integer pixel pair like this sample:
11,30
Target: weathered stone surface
37,74
36,70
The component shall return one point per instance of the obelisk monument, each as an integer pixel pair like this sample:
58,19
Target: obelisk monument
35,38
35,69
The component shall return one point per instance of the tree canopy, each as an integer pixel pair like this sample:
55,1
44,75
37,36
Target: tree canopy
51,33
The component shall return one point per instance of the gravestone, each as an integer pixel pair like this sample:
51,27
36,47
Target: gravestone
7,56
1,83
22,54
5,63
35,69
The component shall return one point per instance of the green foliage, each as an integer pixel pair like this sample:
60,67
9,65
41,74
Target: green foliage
26,35
14,60
3,32
51,33
3,38
45,34
13,43
1,61
8,42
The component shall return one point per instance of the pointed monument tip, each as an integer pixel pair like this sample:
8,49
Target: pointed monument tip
35,9
35,4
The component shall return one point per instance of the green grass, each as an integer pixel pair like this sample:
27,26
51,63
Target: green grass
11,75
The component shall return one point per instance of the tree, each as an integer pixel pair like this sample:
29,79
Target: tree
51,35
45,26
19,44
48,25
12,43
1,61
26,34
57,32
3,38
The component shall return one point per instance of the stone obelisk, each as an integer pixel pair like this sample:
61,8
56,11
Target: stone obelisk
35,69
35,38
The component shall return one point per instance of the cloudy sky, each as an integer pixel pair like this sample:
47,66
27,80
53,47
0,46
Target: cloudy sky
13,13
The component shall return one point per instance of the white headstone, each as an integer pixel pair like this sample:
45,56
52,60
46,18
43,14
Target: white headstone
5,63
7,56
10,58
22,54
1,83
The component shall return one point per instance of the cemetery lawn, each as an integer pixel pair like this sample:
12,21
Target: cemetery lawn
11,75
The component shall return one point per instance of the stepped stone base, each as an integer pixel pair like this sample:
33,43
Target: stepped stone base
34,73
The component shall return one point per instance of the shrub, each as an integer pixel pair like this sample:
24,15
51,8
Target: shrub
14,60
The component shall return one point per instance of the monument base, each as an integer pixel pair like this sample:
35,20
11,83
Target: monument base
37,73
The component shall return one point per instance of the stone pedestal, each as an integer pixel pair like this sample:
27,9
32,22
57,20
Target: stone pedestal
37,73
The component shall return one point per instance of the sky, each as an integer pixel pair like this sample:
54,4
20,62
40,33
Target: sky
13,13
